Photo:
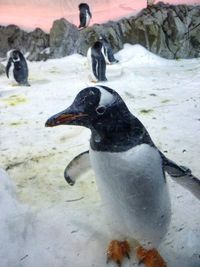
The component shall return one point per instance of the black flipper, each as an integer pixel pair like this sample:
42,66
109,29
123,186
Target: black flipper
183,176
77,166
8,67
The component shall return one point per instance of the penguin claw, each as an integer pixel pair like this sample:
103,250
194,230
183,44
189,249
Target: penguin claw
117,250
150,258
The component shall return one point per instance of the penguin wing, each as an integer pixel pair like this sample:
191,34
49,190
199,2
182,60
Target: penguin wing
182,175
95,66
82,18
89,12
8,66
77,167
104,52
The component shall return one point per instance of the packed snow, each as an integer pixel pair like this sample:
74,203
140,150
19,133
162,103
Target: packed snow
46,222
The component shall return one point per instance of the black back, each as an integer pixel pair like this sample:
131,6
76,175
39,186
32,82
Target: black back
98,62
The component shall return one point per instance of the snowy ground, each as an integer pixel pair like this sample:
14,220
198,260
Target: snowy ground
44,221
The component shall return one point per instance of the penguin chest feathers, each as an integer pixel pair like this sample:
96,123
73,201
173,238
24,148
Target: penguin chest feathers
132,184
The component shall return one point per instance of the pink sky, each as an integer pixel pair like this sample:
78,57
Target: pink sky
31,14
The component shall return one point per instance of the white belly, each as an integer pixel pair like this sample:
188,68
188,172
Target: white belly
134,191
87,19
89,58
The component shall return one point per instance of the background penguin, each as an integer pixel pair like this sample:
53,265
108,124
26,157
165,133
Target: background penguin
84,15
129,170
107,51
20,71
97,62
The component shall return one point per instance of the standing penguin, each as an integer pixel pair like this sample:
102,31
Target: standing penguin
97,62
20,71
84,15
107,51
129,171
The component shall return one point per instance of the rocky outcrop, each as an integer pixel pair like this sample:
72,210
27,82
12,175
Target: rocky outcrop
171,31
2,69
33,43
37,44
63,36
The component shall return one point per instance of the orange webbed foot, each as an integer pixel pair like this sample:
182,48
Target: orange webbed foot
150,258
117,251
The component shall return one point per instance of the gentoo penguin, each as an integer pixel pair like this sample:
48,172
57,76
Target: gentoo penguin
128,168
97,63
84,15
20,71
107,51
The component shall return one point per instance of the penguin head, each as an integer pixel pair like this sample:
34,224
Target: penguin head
15,54
97,108
97,46
83,6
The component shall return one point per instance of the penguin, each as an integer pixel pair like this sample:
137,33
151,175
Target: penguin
129,171
84,15
20,71
97,62
107,51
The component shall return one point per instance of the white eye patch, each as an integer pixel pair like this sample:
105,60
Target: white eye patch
106,98
16,60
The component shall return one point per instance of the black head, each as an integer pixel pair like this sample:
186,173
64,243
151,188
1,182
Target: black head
102,110
93,107
97,46
16,55
83,6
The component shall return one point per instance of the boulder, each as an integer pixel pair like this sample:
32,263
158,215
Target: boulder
63,36
12,37
37,42
2,69
33,43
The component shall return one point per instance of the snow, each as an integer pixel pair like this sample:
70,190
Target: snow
44,221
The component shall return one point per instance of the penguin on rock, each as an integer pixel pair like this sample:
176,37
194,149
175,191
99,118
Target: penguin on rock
20,70
129,170
85,15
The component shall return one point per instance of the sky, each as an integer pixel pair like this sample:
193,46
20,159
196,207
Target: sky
41,13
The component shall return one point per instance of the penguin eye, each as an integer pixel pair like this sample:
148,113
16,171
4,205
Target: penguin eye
100,110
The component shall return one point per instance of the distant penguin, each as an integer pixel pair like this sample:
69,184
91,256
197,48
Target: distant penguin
20,71
107,51
84,15
97,62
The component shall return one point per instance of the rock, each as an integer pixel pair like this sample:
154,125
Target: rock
63,36
33,43
171,31
88,36
2,69
11,37
37,42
